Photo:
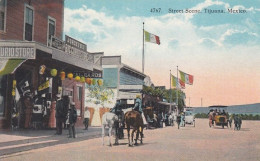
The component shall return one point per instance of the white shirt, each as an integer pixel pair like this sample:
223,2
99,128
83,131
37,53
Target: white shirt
86,114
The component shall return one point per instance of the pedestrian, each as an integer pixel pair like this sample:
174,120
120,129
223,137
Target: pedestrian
66,104
72,120
86,118
59,114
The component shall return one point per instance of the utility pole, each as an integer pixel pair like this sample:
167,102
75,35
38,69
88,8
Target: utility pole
189,101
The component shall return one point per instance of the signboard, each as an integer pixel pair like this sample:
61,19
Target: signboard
75,43
57,43
89,74
17,52
75,48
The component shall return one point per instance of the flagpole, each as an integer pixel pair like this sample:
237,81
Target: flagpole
170,92
177,92
143,51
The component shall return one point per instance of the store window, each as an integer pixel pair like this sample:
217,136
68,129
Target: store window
51,28
2,94
2,14
28,26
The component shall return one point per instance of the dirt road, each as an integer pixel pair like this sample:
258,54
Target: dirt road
199,143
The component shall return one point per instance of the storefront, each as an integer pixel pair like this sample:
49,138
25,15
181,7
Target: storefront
33,74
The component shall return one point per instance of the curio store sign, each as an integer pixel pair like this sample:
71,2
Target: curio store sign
17,51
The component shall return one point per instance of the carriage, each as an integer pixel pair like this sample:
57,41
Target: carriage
218,115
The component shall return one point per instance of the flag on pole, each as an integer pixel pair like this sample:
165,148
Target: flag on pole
177,83
151,38
187,78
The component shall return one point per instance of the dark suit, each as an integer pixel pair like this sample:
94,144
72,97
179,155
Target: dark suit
59,116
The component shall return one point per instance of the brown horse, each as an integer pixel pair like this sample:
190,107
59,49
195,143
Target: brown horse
134,119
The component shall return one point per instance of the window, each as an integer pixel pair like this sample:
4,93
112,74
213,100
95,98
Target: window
79,90
2,14
28,32
51,29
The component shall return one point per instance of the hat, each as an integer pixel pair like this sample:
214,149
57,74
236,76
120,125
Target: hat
138,96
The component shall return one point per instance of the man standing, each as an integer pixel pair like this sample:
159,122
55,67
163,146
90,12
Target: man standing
86,118
59,114
72,120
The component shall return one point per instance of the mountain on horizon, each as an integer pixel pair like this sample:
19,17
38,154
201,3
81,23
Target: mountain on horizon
239,109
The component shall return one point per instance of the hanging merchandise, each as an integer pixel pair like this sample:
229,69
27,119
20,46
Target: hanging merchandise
62,75
82,79
77,78
94,81
100,82
14,86
70,76
88,81
54,72
42,69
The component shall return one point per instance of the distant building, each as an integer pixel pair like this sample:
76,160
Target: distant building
126,81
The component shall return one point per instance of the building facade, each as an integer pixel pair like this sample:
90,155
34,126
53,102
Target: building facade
36,64
126,81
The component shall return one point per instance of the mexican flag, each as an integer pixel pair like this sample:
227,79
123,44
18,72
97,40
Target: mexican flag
177,83
151,38
187,78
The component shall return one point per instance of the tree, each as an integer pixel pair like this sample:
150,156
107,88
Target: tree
170,96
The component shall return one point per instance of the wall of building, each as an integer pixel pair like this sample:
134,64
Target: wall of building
126,78
42,9
110,77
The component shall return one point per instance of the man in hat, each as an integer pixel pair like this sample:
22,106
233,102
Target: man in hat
72,120
138,104
59,114
117,108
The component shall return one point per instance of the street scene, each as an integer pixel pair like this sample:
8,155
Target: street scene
169,143
129,80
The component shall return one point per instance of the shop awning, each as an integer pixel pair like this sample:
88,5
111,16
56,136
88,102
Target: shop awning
8,66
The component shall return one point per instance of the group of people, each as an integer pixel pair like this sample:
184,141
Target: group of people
212,113
156,119
66,114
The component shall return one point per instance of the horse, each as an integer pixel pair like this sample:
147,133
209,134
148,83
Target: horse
134,119
109,120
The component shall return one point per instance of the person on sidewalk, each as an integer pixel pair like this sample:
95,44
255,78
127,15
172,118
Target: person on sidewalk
86,118
72,120
59,114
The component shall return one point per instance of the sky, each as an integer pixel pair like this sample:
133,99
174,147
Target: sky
221,50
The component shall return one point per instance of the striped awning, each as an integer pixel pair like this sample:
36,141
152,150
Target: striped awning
8,66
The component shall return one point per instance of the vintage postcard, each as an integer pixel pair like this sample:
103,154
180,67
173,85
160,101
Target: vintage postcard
129,80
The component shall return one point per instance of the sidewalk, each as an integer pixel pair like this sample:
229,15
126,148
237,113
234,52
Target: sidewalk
27,139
